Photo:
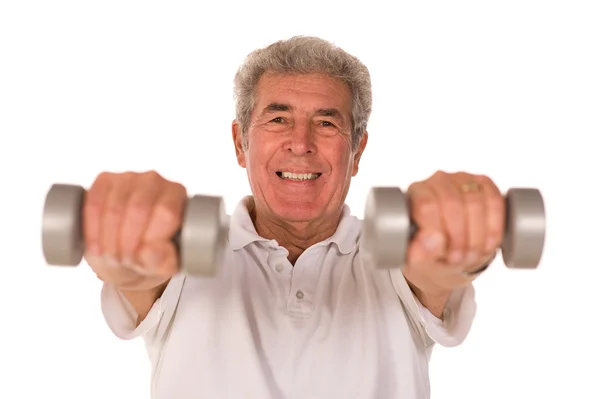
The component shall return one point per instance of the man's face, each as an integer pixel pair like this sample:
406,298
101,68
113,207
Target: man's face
299,158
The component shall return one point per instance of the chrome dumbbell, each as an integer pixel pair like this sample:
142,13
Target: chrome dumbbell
388,228
200,242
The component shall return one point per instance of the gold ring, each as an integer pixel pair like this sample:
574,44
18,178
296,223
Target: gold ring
470,186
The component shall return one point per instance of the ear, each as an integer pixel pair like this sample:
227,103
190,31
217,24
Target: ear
359,152
236,133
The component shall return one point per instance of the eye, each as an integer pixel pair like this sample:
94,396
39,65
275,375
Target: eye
327,124
279,119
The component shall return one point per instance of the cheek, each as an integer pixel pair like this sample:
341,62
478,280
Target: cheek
343,158
257,157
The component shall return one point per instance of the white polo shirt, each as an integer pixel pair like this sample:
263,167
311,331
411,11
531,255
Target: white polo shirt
332,326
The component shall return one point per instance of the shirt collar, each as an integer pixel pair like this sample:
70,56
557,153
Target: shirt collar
242,231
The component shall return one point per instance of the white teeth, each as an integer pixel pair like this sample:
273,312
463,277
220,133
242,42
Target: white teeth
299,176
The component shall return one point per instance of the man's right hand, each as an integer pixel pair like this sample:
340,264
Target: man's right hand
129,220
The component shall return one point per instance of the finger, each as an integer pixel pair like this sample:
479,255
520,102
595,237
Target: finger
453,215
112,216
159,258
430,241
95,199
167,214
137,215
495,211
476,222
426,248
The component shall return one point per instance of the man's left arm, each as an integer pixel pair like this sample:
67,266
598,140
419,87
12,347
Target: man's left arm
460,224
448,327
440,305
447,320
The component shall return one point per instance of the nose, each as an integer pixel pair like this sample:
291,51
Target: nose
301,140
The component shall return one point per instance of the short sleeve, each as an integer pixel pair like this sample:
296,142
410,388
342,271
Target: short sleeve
459,313
121,317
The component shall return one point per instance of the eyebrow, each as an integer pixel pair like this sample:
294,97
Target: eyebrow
280,107
277,107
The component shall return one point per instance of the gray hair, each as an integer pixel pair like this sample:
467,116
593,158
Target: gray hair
304,55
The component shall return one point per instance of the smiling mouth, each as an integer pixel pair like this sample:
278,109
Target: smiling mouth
298,176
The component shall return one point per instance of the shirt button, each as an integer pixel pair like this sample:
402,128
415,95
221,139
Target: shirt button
299,294
279,268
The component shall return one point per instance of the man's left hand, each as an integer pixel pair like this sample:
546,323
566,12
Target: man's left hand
460,220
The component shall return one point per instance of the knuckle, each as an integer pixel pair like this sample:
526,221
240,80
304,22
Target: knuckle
151,175
416,187
122,179
104,176
179,189
425,206
127,175
440,174
485,179
167,214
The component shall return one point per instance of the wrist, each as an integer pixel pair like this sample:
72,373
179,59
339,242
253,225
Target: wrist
437,294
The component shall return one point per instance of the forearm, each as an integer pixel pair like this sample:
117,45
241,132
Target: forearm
434,303
143,300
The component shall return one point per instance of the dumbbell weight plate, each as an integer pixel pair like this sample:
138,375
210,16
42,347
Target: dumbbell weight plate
201,242
523,243
388,228
203,236
62,235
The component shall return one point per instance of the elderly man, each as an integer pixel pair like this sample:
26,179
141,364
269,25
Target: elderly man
297,311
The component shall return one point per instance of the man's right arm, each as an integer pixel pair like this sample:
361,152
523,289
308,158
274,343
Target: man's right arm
145,313
143,300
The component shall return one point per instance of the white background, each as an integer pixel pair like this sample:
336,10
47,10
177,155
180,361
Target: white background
510,89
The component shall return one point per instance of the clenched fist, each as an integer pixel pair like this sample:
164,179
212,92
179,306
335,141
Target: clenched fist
460,219
129,220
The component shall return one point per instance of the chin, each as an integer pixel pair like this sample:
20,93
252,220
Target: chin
296,211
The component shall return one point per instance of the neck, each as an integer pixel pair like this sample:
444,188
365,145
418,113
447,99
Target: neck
296,237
